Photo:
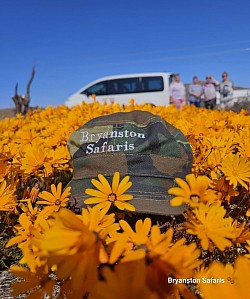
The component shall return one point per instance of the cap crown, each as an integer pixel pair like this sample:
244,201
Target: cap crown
135,143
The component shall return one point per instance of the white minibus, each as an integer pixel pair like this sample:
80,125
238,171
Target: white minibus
142,88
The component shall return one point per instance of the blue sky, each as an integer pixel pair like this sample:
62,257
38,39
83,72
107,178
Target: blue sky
73,42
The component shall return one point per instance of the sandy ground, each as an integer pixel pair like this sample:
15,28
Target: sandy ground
6,278
5,291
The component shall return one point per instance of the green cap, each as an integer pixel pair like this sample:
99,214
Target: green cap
139,144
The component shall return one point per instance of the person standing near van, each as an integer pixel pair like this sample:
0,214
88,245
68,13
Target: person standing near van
195,92
226,92
177,92
209,90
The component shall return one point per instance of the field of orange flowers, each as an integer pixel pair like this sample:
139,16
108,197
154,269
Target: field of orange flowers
105,255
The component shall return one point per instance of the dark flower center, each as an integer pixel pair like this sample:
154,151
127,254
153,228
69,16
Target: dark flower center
112,197
58,202
195,197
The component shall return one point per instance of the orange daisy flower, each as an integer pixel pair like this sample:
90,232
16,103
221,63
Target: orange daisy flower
54,200
107,195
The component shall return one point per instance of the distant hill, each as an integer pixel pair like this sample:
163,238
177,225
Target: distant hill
7,112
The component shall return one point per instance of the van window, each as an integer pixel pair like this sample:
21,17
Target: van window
152,84
121,86
98,89
126,85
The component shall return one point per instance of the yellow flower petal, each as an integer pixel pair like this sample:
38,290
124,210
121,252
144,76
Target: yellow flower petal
123,188
106,185
94,200
115,182
134,255
96,193
47,196
118,248
125,197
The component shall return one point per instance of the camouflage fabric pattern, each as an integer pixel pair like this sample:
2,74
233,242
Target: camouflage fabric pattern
139,144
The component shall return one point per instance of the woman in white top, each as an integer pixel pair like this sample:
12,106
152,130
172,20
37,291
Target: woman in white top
177,92
226,92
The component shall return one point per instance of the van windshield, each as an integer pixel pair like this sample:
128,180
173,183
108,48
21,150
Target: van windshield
98,89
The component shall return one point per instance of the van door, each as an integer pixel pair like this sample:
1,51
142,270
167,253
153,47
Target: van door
143,89
124,89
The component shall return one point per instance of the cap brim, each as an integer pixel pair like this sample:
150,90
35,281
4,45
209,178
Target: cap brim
149,195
